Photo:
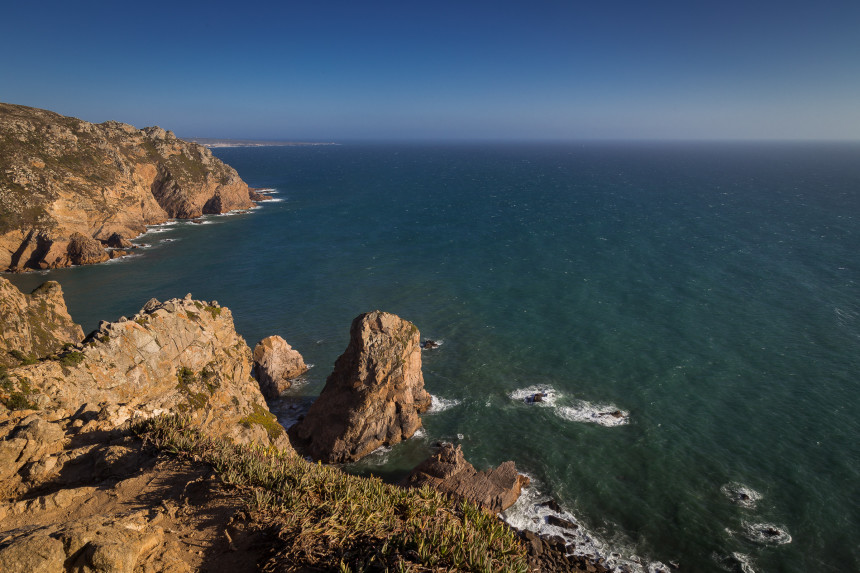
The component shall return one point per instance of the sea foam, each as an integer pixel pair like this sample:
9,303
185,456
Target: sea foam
546,396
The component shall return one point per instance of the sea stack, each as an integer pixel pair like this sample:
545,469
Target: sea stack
373,396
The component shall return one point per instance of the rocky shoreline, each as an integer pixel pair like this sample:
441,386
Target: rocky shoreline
82,491
76,193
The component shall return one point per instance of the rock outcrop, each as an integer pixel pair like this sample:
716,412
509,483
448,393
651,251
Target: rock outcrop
34,325
179,356
276,364
67,186
448,471
373,396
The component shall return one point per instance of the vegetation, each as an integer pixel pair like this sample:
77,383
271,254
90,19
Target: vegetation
328,520
215,311
12,398
194,400
264,418
72,358
24,359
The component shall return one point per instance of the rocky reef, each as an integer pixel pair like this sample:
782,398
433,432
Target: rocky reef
70,188
373,396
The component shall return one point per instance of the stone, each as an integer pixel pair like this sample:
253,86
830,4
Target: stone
37,553
35,324
181,356
117,241
83,250
448,471
276,364
373,396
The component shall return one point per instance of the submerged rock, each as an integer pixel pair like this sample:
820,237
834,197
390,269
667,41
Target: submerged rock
449,472
276,364
373,396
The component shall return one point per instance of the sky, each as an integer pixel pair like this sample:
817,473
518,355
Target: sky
333,70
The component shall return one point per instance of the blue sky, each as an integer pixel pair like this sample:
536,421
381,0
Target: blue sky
337,70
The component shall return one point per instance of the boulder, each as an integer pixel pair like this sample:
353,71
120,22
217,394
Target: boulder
275,364
449,472
373,396
117,241
34,325
83,250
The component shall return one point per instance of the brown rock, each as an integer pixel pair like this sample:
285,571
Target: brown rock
448,471
373,396
35,325
117,241
275,364
85,250
180,356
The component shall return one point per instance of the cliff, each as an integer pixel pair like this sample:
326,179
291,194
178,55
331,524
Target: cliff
35,324
67,186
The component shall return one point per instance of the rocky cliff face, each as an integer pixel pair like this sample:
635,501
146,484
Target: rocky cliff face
276,364
179,356
373,396
34,325
61,177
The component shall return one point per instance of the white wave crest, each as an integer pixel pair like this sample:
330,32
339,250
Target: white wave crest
740,494
544,395
607,415
536,512
766,533
439,404
538,394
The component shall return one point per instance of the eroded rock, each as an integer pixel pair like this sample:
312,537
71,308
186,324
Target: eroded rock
35,324
276,364
373,396
448,471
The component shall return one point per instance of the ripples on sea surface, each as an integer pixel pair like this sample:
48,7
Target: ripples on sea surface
710,291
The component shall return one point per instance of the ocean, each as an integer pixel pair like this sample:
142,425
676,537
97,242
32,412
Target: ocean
691,311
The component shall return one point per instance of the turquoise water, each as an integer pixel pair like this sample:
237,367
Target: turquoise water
709,291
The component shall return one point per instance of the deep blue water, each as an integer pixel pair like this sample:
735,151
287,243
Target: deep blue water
708,290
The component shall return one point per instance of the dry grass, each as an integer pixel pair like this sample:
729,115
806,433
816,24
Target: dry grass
329,520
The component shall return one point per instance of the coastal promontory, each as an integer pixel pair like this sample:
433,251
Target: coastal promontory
71,190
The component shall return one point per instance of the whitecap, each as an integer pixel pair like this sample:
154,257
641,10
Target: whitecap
603,414
439,404
273,200
766,533
738,562
740,494
536,512
548,395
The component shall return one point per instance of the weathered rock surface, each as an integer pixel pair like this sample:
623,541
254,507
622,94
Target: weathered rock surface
276,364
61,176
102,501
177,356
449,472
373,396
35,324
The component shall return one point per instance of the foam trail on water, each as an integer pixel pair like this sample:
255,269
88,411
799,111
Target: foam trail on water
604,414
766,533
740,494
439,404
538,513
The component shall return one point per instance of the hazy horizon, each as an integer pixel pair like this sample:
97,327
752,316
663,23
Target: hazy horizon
477,71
